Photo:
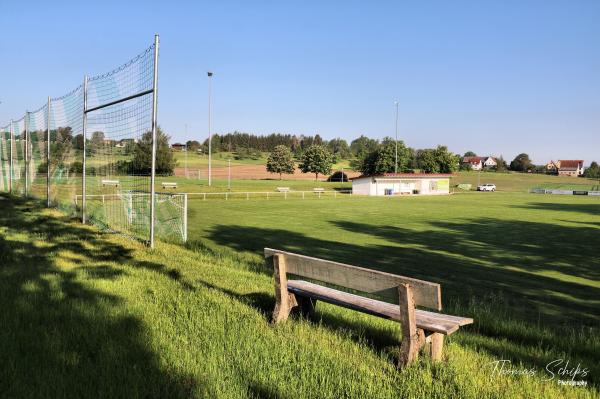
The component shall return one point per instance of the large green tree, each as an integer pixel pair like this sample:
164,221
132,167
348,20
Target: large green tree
521,163
439,160
339,148
501,164
363,145
142,154
192,145
316,159
593,172
280,161
97,139
383,158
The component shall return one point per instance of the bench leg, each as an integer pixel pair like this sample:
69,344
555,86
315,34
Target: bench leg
284,301
412,339
436,345
434,342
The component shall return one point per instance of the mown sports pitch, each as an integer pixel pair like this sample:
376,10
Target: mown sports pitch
538,252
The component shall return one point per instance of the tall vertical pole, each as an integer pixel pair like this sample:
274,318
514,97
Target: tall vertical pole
186,152
11,165
48,154
154,113
84,133
209,130
185,220
229,174
396,157
26,152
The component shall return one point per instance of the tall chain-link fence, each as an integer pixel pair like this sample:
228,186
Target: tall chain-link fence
92,154
37,150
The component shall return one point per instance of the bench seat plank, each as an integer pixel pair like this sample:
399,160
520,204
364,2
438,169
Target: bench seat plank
428,321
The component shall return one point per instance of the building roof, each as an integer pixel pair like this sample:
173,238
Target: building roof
405,175
473,159
570,164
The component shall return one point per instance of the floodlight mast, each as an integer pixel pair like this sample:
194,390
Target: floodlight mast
210,74
396,141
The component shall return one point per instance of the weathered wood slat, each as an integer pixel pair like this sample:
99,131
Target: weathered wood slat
429,321
374,282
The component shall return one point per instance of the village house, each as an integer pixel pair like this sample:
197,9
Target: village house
178,147
478,163
565,167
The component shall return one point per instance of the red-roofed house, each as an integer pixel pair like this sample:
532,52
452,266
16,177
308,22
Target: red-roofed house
566,167
478,163
402,183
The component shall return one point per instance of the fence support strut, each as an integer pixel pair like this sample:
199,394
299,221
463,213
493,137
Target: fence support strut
26,152
84,129
154,112
11,165
48,154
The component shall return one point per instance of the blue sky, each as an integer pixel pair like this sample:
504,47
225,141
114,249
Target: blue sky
494,77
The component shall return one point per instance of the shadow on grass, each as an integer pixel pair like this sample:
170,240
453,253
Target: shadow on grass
527,283
60,337
378,338
592,209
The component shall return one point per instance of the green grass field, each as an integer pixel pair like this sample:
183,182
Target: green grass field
92,314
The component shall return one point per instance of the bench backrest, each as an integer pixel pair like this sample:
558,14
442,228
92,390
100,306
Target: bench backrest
318,189
374,282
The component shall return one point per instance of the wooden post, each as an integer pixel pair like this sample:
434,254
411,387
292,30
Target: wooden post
284,300
411,339
436,345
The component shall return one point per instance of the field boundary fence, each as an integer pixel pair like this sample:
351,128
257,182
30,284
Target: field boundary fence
98,139
292,194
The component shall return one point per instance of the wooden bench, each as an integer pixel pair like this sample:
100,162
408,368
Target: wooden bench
114,183
283,189
420,328
169,185
318,190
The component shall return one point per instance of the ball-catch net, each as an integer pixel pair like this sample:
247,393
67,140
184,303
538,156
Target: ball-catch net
66,149
37,123
5,158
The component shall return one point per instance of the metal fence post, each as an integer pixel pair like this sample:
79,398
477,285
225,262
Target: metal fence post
154,112
84,129
48,154
26,152
11,165
185,220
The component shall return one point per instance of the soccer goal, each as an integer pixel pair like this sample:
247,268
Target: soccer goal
128,212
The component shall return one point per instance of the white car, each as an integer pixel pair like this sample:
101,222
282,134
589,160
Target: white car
487,187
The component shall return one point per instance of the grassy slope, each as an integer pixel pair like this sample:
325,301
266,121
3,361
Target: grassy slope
87,314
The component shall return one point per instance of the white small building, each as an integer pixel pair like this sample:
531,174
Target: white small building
402,184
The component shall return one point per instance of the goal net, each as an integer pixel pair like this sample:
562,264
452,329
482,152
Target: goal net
128,212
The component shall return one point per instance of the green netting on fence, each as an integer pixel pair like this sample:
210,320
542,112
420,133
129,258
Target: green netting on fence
5,159
108,121
37,151
66,157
